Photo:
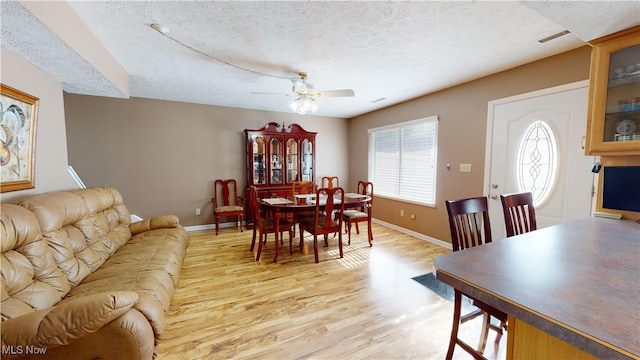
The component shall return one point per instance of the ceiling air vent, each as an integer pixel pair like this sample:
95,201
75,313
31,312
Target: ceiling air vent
554,36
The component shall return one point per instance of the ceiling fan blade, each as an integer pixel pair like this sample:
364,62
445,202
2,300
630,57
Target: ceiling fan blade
288,102
270,93
336,93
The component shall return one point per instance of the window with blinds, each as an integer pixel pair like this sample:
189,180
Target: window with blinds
402,160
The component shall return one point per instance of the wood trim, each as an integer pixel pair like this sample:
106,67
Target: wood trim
614,35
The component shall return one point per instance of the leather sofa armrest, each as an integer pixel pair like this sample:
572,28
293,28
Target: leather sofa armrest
157,222
62,324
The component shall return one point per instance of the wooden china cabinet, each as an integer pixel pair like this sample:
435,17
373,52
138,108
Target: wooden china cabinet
278,155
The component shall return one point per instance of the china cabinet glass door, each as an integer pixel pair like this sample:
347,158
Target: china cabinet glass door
292,160
613,121
307,160
259,159
276,161
622,112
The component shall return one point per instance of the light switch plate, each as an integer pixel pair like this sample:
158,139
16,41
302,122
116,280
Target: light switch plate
465,168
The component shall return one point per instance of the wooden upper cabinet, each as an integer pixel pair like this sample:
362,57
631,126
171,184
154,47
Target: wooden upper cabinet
613,122
278,155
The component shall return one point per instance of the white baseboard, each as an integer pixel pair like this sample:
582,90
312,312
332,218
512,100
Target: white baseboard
210,226
200,227
391,226
414,234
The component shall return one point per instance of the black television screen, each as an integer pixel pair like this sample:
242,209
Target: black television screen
621,188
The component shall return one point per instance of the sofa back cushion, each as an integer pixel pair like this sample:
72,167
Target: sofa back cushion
110,217
68,228
30,279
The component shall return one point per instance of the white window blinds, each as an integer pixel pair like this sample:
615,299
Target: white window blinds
402,160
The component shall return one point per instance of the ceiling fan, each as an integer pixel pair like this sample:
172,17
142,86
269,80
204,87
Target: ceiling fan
306,96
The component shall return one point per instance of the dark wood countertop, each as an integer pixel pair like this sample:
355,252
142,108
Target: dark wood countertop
578,281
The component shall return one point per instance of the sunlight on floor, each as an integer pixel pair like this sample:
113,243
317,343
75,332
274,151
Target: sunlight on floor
357,257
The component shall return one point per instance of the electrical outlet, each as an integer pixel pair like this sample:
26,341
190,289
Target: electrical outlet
197,211
413,216
401,212
465,167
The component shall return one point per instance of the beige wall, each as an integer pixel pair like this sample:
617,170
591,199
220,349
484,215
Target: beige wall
51,146
462,112
164,156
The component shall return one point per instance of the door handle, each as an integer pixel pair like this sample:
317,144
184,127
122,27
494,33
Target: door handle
494,186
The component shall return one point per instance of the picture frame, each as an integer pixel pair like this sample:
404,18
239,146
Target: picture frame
18,118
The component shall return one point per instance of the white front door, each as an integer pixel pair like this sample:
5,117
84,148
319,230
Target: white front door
535,142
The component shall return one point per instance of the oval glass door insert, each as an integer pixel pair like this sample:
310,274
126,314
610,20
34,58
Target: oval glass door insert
537,161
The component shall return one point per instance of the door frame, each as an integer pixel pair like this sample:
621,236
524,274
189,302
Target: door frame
492,104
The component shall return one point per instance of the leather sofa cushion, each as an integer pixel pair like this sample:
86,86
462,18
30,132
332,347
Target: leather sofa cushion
68,321
111,217
73,319
68,228
157,222
30,280
149,265
83,228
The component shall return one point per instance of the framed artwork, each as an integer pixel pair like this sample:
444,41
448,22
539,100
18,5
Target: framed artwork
18,114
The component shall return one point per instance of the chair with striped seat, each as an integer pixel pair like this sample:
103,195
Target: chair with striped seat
355,216
226,202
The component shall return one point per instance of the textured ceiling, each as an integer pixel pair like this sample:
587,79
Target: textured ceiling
391,50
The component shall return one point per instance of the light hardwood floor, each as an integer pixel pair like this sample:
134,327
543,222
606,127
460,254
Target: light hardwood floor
364,306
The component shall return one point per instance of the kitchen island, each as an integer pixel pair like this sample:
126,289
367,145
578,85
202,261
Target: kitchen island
571,290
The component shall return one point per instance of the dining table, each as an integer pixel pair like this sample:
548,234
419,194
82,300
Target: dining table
302,203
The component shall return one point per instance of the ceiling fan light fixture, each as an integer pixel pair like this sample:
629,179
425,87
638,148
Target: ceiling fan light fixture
303,104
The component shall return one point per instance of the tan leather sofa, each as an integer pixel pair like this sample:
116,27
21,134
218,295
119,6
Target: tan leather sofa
80,281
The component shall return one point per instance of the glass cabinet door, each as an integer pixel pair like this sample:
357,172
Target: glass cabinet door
276,161
259,160
307,160
613,120
622,111
292,160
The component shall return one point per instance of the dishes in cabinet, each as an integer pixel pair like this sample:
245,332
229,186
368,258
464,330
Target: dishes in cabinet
628,105
626,127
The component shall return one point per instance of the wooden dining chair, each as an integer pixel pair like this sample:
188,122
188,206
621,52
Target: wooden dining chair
470,226
330,182
327,201
226,202
355,216
264,226
303,187
519,213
